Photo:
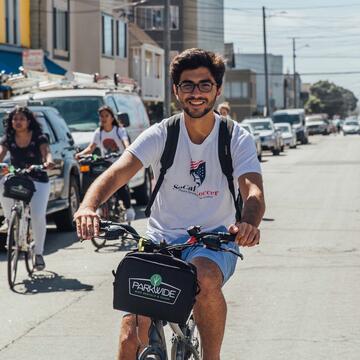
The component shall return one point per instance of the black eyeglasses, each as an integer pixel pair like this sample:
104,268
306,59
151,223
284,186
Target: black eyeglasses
188,86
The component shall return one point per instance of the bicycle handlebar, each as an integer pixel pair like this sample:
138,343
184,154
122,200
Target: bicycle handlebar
19,171
210,240
94,157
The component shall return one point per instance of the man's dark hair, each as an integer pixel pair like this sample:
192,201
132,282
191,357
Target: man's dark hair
194,58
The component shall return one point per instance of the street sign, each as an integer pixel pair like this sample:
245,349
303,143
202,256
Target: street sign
33,59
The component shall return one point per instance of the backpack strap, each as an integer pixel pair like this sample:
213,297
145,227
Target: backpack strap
168,155
224,150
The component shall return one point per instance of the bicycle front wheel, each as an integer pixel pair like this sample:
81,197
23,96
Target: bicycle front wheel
190,349
151,354
13,251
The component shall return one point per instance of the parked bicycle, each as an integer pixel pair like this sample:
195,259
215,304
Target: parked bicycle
154,282
91,166
19,186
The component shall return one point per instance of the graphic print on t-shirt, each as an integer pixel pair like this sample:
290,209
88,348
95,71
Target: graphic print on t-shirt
198,171
110,145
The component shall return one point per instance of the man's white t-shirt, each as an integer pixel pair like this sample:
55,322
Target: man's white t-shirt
110,141
194,191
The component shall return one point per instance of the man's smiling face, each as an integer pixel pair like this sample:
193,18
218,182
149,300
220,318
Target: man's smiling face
197,103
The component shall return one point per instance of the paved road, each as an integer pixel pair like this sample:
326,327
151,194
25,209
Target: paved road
294,297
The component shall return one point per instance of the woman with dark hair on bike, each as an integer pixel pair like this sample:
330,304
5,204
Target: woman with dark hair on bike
28,145
110,137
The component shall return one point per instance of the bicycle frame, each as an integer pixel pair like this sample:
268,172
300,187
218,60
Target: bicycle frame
157,342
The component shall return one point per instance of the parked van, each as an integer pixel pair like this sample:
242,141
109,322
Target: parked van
79,106
296,118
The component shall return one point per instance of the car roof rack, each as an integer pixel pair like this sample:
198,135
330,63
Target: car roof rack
36,81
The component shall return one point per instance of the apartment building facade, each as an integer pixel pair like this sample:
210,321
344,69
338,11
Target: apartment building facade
255,62
193,23
15,39
82,36
240,91
146,61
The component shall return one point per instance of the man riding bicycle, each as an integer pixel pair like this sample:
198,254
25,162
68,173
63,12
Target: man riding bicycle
194,191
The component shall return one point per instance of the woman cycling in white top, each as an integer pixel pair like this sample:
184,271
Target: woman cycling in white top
111,137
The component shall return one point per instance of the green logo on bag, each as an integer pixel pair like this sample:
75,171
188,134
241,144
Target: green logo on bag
156,280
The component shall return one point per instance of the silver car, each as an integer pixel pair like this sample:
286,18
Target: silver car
256,138
288,134
270,138
351,127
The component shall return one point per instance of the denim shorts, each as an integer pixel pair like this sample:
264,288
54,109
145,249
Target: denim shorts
224,260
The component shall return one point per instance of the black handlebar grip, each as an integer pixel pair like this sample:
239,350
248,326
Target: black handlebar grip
228,237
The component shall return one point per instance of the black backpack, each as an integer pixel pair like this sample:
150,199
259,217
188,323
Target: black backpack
168,155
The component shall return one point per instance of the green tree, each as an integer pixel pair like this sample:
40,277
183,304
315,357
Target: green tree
330,98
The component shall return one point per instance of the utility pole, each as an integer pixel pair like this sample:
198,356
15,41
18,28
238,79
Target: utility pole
167,97
268,112
294,67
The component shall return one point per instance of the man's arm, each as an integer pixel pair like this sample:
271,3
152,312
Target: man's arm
251,189
119,174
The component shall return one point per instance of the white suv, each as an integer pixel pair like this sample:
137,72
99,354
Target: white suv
79,106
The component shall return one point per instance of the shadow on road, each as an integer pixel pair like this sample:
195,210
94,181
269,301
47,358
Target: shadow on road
48,282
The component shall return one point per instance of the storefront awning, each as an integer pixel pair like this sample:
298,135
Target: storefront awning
11,61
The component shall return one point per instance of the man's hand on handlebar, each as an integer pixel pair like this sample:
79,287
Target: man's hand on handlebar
246,234
87,223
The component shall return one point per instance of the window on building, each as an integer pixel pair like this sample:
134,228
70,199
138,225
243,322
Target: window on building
148,63
244,89
236,89
121,42
12,34
61,28
158,66
107,24
152,17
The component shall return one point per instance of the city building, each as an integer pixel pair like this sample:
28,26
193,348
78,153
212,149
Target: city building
193,23
289,94
146,61
82,36
255,62
240,92
15,37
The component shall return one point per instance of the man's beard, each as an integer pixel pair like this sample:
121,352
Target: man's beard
194,114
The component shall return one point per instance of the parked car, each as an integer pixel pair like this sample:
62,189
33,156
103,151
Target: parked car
79,106
65,179
351,127
288,134
256,138
270,138
296,118
317,124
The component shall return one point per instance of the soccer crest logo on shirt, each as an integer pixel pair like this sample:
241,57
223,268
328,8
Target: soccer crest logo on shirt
198,171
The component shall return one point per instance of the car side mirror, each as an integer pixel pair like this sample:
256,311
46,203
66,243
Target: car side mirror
124,119
70,139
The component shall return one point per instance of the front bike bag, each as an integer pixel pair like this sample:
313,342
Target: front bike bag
156,285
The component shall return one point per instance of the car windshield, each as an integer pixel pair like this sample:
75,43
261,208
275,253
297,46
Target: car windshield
80,113
246,127
351,123
314,119
287,118
263,125
283,128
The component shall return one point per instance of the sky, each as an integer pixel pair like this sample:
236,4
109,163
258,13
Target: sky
327,36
